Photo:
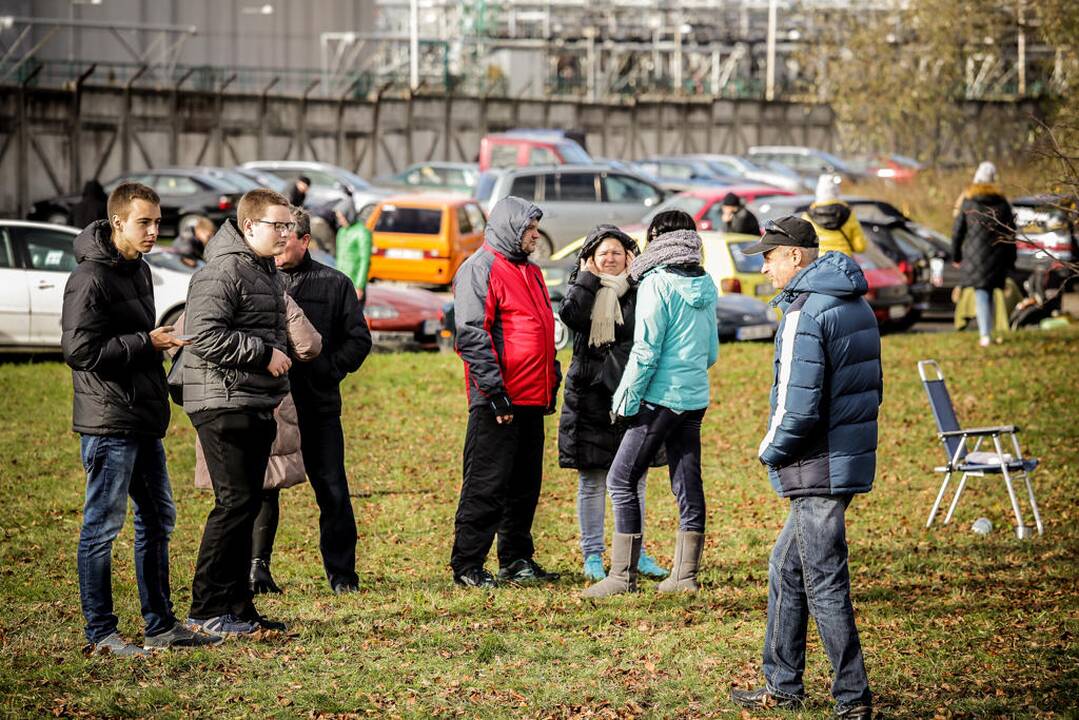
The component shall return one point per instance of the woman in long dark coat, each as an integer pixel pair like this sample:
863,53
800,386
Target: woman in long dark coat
983,243
599,308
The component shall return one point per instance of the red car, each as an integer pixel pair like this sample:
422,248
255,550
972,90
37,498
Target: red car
889,294
403,318
705,203
519,149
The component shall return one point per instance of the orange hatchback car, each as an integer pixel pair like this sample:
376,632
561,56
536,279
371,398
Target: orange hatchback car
424,238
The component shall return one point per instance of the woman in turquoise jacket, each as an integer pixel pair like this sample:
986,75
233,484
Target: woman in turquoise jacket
662,398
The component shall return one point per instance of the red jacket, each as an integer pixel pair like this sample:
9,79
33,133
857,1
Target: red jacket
505,324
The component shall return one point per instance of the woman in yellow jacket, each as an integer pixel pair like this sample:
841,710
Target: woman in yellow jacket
836,224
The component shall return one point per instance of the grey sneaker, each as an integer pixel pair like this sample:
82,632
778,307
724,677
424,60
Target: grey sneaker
115,645
181,636
227,625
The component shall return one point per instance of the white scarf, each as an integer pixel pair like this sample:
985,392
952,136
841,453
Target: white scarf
607,311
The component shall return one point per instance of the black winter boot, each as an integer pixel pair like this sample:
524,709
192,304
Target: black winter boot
261,580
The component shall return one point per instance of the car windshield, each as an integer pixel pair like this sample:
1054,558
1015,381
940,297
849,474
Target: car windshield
573,153
233,180
745,263
170,261
352,179
485,186
686,203
416,221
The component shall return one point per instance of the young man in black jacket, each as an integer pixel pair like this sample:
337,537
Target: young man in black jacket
328,299
121,410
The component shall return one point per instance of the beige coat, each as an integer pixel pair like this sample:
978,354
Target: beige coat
286,462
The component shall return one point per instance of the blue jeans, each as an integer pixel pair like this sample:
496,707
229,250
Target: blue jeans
808,575
983,311
592,507
655,426
117,467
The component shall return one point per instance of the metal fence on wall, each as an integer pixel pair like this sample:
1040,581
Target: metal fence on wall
52,140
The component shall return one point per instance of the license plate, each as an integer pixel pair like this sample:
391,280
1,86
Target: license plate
765,289
404,254
754,332
432,326
896,312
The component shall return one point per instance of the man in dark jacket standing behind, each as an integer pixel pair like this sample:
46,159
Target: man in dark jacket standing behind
121,409
234,374
820,450
505,336
328,299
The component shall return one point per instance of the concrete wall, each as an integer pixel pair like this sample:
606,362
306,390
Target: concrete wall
231,33
51,140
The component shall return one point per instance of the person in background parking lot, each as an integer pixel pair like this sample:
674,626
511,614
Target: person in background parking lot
505,336
93,205
191,244
599,308
121,411
662,397
983,243
298,193
836,225
737,218
353,248
329,301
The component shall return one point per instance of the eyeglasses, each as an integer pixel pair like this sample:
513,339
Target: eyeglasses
281,228
770,226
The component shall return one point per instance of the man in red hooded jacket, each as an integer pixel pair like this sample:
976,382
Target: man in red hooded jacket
505,336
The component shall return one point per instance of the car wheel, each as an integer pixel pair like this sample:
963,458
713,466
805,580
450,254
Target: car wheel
58,218
186,222
544,249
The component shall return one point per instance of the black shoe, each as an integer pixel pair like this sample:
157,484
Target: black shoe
854,712
526,571
475,577
261,580
262,622
762,699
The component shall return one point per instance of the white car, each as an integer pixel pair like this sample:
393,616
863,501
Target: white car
35,260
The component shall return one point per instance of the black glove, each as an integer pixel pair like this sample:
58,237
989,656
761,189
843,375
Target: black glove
501,405
553,406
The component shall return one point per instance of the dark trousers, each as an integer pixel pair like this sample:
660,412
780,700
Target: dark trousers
237,449
503,470
322,442
652,428
265,532
808,575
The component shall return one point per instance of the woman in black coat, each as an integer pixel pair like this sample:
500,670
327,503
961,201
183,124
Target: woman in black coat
983,243
599,308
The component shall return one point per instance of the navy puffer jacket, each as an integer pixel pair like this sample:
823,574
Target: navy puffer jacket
822,433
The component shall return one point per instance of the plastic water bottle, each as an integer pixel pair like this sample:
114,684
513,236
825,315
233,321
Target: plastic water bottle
982,526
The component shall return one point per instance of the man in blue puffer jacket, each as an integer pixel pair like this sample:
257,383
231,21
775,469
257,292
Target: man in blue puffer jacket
820,450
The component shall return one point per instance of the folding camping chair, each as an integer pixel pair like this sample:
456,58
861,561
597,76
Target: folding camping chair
974,462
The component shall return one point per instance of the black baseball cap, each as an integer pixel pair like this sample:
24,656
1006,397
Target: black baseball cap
732,200
789,231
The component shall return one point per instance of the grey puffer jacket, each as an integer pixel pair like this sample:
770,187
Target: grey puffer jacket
236,312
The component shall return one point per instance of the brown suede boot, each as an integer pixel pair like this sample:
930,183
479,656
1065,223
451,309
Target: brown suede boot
625,550
687,559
